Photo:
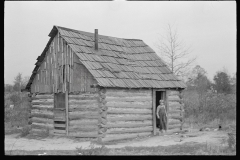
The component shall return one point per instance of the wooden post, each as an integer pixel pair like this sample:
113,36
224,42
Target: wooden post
166,103
65,86
65,68
70,70
66,105
182,121
154,111
54,72
56,61
62,64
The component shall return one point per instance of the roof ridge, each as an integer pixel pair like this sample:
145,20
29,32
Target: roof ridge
92,34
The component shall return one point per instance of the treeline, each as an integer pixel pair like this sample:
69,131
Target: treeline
206,101
16,105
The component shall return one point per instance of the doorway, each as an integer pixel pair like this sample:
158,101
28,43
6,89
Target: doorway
59,113
158,95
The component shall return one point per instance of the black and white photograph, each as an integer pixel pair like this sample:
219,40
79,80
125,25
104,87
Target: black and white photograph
111,78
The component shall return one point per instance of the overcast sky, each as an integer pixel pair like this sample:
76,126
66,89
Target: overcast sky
208,27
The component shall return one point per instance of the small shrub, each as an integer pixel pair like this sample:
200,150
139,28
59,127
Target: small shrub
15,98
19,114
25,131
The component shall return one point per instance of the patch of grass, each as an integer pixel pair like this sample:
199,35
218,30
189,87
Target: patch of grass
8,129
181,149
231,141
114,142
36,152
93,150
210,149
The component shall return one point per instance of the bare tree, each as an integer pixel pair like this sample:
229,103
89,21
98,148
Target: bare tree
175,53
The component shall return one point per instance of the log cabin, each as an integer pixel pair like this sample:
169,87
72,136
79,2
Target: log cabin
88,85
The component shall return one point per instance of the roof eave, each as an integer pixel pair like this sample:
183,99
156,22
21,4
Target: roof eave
53,31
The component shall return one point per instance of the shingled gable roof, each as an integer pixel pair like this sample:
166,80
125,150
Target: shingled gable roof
118,62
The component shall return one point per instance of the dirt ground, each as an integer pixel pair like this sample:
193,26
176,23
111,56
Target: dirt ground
13,142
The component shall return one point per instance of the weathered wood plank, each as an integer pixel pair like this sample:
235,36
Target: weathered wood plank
84,134
83,128
128,117
129,105
42,126
61,119
174,108
175,100
173,93
83,97
43,106
128,99
174,112
82,102
42,115
129,130
83,122
41,120
35,102
59,131
173,104
173,97
127,93
47,112
113,137
60,125
45,96
82,115
90,107
58,113
128,111
147,104
128,124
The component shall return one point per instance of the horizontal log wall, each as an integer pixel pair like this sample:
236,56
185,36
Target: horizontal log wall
128,114
83,115
175,110
42,115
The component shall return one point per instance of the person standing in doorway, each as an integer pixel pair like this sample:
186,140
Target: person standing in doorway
162,115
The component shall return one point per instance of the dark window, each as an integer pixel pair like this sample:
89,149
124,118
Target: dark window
59,100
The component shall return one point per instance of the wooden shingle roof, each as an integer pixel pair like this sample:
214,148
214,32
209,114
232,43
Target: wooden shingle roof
118,62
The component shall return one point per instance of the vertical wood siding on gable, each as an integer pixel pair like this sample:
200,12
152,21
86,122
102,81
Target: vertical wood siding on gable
82,79
44,79
59,60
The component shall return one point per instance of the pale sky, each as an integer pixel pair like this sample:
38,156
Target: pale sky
209,27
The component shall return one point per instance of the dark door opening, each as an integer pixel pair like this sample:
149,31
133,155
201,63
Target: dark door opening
59,112
160,95
59,100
